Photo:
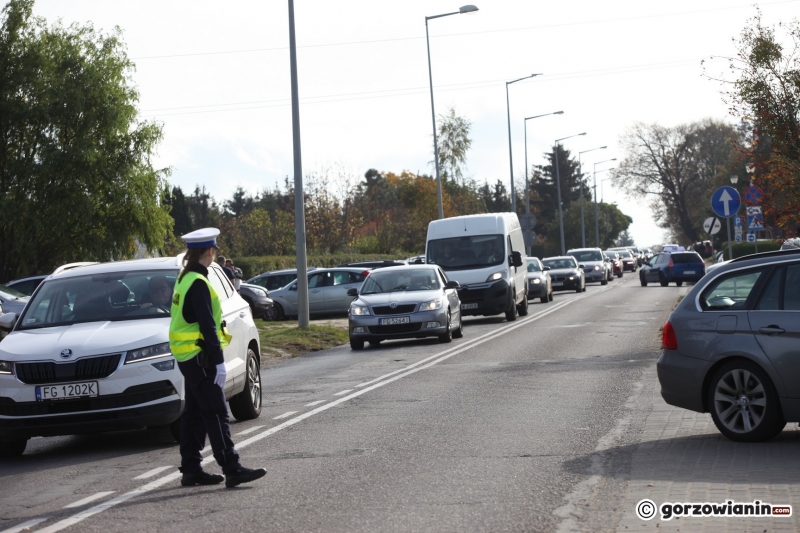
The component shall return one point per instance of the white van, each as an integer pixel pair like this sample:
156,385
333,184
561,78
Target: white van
485,254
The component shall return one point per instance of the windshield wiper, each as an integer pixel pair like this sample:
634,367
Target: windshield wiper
398,288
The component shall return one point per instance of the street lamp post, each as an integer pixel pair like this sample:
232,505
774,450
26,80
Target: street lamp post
734,181
580,171
596,218
510,158
558,188
527,187
462,9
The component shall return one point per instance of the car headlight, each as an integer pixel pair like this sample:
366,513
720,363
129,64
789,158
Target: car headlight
149,352
571,278
536,281
497,275
5,367
597,267
359,310
432,305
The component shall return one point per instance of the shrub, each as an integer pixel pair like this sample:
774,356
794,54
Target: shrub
746,248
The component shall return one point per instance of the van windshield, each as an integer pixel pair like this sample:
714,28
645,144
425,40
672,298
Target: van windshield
461,253
101,297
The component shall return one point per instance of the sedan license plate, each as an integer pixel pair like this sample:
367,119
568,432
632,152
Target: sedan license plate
392,321
469,306
558,283
688,271
70,391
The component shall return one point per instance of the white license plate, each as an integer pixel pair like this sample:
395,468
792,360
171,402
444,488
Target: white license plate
69,391
469,306
558,284
392,321
688,271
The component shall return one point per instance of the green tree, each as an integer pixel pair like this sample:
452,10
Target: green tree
454,143
544,192
625,239
76,173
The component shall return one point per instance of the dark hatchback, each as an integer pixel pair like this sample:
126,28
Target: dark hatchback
676,267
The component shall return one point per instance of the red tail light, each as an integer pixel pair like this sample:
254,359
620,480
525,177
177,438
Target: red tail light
365,273
668,339
670,265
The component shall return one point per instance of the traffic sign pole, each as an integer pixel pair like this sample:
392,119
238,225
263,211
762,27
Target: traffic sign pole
730,244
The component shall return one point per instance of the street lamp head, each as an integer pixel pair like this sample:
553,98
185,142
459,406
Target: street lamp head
558,113
584,133
613,159
603,147
469,8
734,179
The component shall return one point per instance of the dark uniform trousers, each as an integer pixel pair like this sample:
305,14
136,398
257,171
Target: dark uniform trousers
205,413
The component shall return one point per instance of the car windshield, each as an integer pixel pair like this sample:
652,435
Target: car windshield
560,263
624,253
588,255
459,253
533,266
112,296
400,279
10,294
611,255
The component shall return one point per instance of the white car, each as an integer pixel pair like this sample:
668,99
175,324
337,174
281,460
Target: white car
90,353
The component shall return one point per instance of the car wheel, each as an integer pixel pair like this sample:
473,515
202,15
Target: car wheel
743,403
662,280
447,336
619,274
679,283
604,281
642,279
279,315
175,429
12,448
579,289
247,404
583,289
511,314
375,344
522,308
550,296
271,314
459,333
356,344
546,298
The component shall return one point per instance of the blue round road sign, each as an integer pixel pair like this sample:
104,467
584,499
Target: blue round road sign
725,202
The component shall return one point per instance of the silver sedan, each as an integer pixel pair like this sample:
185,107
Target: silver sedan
327,292
414,301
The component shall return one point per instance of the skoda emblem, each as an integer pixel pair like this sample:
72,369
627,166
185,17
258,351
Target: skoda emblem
393,305
66,354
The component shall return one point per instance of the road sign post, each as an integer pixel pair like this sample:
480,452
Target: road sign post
527,222
725,202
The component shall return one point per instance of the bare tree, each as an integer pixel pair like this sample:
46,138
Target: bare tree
677,169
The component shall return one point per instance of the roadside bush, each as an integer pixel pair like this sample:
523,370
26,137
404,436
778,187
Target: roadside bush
253,266
746,248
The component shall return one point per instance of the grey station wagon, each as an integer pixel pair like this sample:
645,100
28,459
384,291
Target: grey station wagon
732,347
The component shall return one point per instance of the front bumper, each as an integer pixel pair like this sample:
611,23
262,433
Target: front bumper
629,266
595,275
368,327
484,299
681,379
536,290
567,284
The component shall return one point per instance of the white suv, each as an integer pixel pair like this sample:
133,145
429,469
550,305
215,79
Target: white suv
90,352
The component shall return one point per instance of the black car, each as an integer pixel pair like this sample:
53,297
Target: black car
565,273
673,267
373,264
259,301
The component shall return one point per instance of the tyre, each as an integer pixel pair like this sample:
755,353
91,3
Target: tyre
374,344
642,279
604,280
619,274
247,404
279,312
447,336
522,308
271,314
511,314
12,448
743,402
662,280
583,289
356,344
579,289
550,296
679,283
546,298
175,429
458,333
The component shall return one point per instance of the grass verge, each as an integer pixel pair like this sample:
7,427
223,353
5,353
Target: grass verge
283,341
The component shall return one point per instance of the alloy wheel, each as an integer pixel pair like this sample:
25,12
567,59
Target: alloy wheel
254,380
740,400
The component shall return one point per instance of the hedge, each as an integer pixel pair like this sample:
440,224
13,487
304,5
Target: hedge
253,266
746,248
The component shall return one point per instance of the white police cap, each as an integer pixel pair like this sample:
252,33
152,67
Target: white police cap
201,238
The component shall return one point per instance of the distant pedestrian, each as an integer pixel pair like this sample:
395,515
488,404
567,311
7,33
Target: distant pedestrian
228,272
197,336
237,276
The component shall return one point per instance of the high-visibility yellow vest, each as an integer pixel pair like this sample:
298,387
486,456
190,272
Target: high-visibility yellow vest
183,336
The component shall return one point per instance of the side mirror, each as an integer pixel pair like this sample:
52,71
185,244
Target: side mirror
452,284
546,269
293,287
516,259
352,292
7,321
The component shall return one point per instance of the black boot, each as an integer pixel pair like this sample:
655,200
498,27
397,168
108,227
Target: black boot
243,475
200,478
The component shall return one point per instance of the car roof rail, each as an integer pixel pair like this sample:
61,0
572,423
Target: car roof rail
774,253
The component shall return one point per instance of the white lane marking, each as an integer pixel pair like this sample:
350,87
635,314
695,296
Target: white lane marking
79,517
83,515
89,499
314,403
25,525
343,392
285,415
246,431
153,472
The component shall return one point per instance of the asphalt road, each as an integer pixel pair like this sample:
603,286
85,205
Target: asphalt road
498,431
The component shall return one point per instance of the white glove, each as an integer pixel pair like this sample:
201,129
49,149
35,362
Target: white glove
219,379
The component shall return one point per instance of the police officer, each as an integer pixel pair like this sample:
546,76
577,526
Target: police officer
196,337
